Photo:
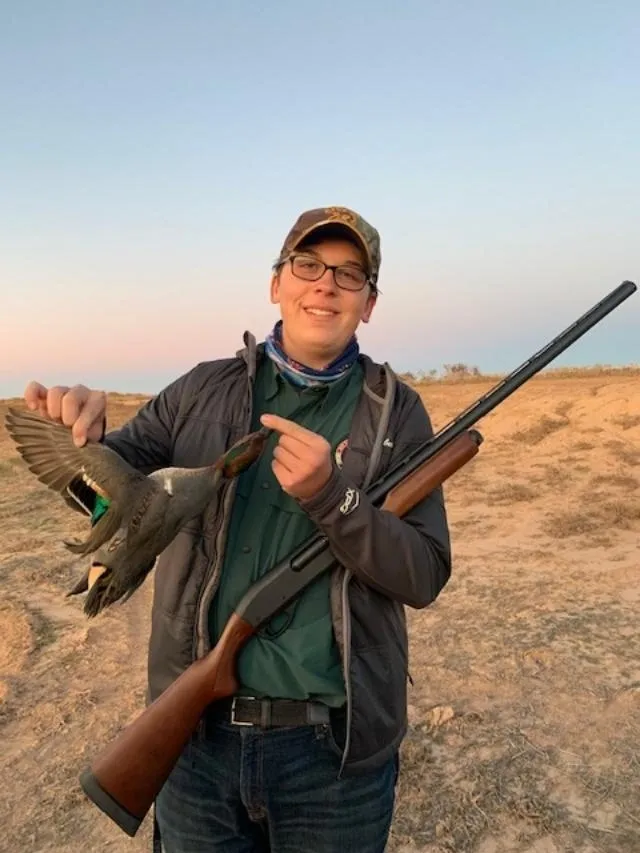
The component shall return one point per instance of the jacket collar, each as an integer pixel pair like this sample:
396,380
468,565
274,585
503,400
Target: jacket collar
375,374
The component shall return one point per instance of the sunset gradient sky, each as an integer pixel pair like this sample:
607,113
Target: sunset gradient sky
154,154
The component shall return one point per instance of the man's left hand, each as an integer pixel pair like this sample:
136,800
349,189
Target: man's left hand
301,459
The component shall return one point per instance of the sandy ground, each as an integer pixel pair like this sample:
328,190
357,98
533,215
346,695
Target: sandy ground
525,708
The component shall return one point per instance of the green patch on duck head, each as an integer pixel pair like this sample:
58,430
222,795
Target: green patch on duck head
243,453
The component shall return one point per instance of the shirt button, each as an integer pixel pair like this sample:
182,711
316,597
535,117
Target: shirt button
246,549
265,485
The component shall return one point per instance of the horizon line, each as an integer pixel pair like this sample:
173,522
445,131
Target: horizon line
468,374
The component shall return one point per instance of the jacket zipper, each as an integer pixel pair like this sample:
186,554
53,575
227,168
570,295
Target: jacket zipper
219,534
344,598
210,584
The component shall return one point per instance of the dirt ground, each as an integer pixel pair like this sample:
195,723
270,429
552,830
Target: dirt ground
525,708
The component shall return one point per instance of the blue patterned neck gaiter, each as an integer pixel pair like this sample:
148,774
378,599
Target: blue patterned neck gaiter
302,375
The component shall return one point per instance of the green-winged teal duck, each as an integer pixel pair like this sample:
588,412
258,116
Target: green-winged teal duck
144,512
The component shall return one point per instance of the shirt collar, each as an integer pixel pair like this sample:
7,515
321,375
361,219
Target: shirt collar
329,394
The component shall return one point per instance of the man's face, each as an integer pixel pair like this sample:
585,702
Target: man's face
319,317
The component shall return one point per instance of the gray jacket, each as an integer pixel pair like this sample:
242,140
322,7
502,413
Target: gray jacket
385,562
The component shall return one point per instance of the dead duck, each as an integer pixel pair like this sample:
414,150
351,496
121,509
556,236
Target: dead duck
144,511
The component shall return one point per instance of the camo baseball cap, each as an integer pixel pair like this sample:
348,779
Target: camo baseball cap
320,217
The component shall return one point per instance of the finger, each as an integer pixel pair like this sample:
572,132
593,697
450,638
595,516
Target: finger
35,394
90,421
54,402
287,427
97,429
295,446
72,404
287,459
282,475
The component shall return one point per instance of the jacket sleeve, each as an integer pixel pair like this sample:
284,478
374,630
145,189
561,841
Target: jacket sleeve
146,440
407,559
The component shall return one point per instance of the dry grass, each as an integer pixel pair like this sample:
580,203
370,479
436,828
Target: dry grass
540,430
627,421
525,710
474,376
624,452
604,515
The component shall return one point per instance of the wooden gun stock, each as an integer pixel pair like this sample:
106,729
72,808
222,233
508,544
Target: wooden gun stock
432,473
125,778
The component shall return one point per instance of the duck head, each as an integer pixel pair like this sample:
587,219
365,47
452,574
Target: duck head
243,453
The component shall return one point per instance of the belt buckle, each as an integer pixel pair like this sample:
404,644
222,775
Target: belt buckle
235,722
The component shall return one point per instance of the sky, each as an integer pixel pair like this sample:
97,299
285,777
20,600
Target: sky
153,155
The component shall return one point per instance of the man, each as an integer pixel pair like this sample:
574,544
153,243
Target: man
306,756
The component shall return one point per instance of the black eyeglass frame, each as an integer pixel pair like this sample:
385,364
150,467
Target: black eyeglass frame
333,267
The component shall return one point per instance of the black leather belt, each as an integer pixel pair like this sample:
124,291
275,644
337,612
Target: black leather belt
267,713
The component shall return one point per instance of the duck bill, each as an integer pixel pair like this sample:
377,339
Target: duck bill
95,573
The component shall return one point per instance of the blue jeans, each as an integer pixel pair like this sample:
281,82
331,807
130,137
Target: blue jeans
247,790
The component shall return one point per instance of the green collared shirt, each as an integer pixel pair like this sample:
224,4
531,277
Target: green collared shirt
295,655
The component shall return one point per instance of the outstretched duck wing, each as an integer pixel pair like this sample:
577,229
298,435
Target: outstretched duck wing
51,455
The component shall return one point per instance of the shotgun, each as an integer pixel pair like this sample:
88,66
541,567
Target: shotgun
125,778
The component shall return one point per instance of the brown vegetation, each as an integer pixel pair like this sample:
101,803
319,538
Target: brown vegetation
525,708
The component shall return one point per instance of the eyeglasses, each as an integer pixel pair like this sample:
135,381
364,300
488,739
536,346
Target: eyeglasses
312,269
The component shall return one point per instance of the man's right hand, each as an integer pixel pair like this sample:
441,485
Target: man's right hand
79,408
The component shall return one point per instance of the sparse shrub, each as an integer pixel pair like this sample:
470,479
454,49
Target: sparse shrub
460,371
624,453
603,514
626,421
540,430
510,493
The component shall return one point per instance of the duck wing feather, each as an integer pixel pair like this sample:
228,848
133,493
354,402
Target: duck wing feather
51,455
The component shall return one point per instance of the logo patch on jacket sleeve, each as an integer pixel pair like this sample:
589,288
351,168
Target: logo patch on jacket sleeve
339,452
351,501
